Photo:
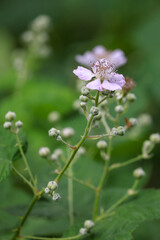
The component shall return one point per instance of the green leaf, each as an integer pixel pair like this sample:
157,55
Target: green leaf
128,217
5,168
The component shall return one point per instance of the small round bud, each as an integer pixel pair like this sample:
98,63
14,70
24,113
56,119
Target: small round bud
120,131
94,111
85,91
53,132
119,109
10,116
88,224
18,124
56,196
131,97
108,93
119,95
83,98
139,173
133,121
58,152
147,147
114,131
76,104
155,138
68,132
44,152
7,125
102,144
53,117
59,138
46,190
145,119
54,157
81,151
52,185
83,231
131,192
83,104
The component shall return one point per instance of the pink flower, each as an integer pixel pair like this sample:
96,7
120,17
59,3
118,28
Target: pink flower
116,57
105,77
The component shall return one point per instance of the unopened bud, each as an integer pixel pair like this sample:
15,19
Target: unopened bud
120,131
85,91
98,117
53,132
54,157
83,231
10,116
119,109
46,190
7,125
83,105
53,116
56,196
58,152
131,192
44,152
52,185
133,121
18,124
139,173
131,97
102,144
155,138
88,224
94,111
114,131
68,132
147,148
83,98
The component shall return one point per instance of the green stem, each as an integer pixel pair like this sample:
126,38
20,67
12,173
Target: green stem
34,200
70,196
43,238
118,165
81,182
24,179
24,159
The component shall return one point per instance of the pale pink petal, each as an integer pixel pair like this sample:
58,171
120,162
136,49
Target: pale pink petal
100,51
110,86
86,59
118,58
95,84
116,78
83,73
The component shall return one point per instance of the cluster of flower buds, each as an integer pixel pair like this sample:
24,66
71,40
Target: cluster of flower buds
36,38
120,131
84,97
53,132
9,123
88,225
148,145
50,190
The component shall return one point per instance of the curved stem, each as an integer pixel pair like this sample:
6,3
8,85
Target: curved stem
23,219
43,238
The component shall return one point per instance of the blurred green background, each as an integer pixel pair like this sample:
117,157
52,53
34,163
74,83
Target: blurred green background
77,26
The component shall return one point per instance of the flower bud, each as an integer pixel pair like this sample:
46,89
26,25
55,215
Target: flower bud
7,125
46,190
53,116
102,144
94,111
59,138
139,173
108,93
44,152
58,152
81,151
53,132
98,117
131,192
85,91
120,131
131,97
88,224
52,185
119,109
10,116
18,124
83,98
83,105
56,196
145,119
114,131
83,231
155,138
147,147
133,121
68,132
54,157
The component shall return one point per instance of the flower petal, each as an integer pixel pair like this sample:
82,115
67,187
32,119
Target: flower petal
118,58
100,51
116,78
95,84
83,73
86,59
110,86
